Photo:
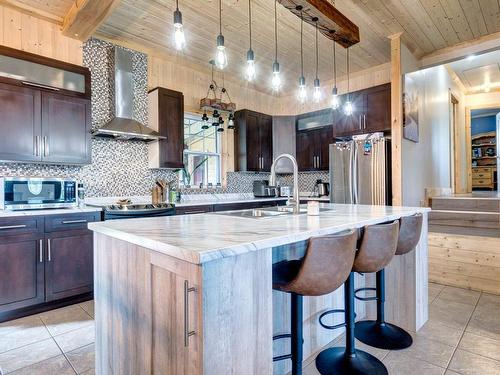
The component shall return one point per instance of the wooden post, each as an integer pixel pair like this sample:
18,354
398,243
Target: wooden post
397,119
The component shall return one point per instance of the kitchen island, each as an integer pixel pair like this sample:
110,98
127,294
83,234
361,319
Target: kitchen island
193,294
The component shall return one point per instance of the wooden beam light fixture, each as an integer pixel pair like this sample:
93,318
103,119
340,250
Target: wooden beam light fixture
331,23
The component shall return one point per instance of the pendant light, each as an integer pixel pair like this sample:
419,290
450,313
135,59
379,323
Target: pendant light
230,121
221,124
250,70
220,54
204,119
179,38
335,102
348,106
317,85
302,93
276,79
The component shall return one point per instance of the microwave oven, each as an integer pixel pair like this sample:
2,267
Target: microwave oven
27,193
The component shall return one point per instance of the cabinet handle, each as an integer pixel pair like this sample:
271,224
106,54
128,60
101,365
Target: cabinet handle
26,83
195,212
45,146
74,221
35,141
187,332
13,226
359,122
41,251
49,255
364,121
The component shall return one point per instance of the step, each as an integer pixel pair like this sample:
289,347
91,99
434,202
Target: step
470,219
466,204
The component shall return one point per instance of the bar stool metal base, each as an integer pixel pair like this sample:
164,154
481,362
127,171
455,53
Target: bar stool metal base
335,361
382,335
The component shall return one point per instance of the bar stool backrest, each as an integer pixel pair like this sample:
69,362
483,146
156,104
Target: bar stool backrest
409,233
326,265
378,247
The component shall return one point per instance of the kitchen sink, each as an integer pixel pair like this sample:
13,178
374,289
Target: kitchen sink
260,213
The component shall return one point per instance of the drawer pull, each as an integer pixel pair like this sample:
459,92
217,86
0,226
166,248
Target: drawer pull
41,251
195,212
74,221
48,251
13,226
187,332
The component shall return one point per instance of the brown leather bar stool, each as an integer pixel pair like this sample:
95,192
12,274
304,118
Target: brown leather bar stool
324,268
378,246
378,333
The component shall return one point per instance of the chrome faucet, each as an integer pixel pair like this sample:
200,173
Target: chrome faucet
272,179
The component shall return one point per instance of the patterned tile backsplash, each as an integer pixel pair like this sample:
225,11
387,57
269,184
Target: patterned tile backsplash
120,168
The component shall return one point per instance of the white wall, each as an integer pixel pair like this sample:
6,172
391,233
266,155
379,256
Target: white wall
428,163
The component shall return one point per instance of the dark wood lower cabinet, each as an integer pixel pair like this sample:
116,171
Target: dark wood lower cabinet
69,264
43,264
219,207
21,272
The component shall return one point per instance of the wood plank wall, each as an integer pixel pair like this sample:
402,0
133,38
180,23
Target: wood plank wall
471,262
25,32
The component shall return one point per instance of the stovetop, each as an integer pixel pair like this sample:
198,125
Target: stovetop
138,207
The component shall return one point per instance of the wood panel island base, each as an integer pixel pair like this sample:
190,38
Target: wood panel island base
193,294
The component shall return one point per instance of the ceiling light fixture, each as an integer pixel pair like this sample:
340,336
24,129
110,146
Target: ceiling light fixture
220,55
179,38
302,93
317,85
276,79
250,71
335,102
204,119
348,106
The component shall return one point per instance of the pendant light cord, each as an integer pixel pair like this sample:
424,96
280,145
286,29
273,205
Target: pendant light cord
348,74
177,4
275,31
220,17
334,66
317,51
301,43
250,21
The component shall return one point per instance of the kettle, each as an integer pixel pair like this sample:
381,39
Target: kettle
322,188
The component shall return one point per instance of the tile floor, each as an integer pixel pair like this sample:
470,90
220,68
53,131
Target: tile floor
462,336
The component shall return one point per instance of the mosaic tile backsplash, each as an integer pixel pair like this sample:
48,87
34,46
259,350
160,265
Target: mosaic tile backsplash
120,168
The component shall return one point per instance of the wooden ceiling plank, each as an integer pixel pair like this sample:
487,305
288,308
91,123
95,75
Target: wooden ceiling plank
457,18
438,16
85,16
33,11
410,25
474,14
491,14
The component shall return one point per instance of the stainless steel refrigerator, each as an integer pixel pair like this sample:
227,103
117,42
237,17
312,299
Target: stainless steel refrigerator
360,171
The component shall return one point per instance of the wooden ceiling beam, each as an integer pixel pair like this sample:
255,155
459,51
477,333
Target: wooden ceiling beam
331,22
85,16
32,11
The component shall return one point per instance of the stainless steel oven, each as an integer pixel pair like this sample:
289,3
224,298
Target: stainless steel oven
26,193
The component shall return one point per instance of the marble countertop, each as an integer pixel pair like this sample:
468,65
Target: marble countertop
51,211
204,237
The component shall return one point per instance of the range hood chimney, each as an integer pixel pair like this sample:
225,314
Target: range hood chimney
123,126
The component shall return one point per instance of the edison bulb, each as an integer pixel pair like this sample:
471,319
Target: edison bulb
317,94
276,81
250,71
179,38
302,93
221,57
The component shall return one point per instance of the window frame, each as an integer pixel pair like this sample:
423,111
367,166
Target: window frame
218,154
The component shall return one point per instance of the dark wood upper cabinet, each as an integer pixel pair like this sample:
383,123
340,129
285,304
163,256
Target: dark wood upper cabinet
372,112
166,115
313,148
20,118
253,141
41,123
65,129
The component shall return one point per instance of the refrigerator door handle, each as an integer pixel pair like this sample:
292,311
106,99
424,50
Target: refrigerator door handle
355,174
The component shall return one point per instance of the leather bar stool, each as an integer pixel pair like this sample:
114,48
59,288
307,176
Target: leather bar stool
379,333
378,246
324,268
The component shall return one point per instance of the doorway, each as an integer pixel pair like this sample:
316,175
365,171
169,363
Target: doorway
483,131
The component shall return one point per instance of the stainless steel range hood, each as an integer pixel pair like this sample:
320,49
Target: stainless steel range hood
123,126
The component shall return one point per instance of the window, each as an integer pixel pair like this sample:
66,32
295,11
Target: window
202,158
